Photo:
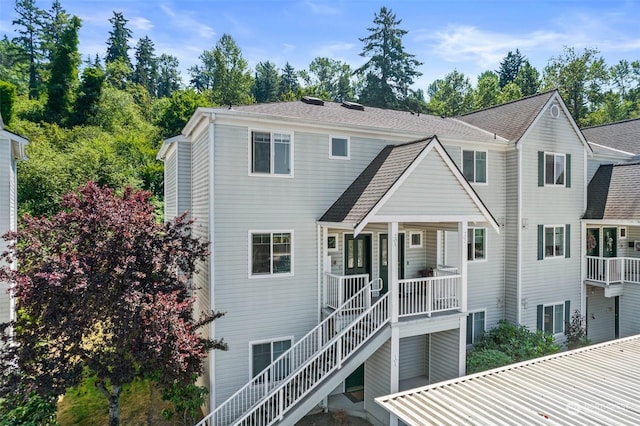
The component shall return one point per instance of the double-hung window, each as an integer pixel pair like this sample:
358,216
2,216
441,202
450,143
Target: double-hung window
476,244
553,318
474,166
271,253
554,241
271,153
554,169
265,353
475,326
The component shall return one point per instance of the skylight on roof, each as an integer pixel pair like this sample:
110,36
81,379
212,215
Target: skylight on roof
312,101
353,105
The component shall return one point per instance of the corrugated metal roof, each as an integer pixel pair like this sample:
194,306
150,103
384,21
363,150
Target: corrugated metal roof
595,385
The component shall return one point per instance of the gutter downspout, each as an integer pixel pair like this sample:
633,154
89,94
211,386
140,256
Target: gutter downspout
519,242
212,269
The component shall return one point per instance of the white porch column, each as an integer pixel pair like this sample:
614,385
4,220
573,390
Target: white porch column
394,380
462,246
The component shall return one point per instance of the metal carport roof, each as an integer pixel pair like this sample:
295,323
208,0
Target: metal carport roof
594,385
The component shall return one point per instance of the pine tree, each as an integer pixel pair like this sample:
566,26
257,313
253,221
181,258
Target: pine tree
146,69
88,94
265,84
288,82
168,76
29,26
390,71
64,72
509,67
56,20
118,42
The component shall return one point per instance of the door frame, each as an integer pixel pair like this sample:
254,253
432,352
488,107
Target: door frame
369,251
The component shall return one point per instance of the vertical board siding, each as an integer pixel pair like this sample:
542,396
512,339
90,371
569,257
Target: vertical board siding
600,315
445,347
377,379
170,193
6,219
550,280
183,186
271,307
413,355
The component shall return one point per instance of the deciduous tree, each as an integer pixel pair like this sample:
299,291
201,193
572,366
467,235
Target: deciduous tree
101,286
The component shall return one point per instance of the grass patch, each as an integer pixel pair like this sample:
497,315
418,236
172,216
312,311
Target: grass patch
140,404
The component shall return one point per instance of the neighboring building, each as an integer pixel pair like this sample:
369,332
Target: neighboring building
11,149
438,227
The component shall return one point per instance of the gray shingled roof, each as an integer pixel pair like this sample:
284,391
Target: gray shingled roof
509,120
613,193
374,182
334,113
622,135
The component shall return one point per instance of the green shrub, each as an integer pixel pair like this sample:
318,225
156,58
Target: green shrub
7,99
486,359
576,331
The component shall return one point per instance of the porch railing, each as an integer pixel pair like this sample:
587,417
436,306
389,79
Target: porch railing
613,270
430,295
342,287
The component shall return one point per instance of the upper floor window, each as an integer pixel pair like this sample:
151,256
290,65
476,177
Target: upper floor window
415,239
476,244
474,166
553,241
339,147
271,253
271,153
554,169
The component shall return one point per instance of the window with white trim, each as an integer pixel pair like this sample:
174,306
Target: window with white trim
553,321
415,239
554,241
474,166
271,153
554,168
476,244
475,326
264,353
332,242
339,147
271,253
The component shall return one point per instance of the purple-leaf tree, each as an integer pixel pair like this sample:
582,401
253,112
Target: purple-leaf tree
101,286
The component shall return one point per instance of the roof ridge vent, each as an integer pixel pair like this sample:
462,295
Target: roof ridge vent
353,105
312,101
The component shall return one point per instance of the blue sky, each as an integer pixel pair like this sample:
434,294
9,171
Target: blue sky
468,35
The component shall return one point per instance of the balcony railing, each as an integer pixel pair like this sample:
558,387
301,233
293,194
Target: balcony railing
342,287
430,295
613,270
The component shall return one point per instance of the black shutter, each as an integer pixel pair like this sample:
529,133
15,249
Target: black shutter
567,313
567,168
540,168
567,240
540,242
540,309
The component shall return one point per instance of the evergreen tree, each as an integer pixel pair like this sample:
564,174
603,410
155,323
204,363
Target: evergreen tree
118,42
528,79
146,69
266,82
231,77
168,76
7,99
64,73
389,71
509,67
288,81
29,25
88,94
331,78
56,21
12,69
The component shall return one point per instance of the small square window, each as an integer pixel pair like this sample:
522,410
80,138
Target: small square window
622,231
339,147
415,239
332,242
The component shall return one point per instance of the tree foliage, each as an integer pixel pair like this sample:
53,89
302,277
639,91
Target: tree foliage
7,99
266,82
29,25
102,286
451,95
389,70
509,67
146,69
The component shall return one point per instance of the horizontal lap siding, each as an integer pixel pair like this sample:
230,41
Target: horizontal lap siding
5,215
265,308
511,236
413,355
184,178
629,318
377,379
445,347
430,189
601,315
550,280
170,192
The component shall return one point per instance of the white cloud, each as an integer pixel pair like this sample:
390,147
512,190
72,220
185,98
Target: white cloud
140,24
322,9
186,21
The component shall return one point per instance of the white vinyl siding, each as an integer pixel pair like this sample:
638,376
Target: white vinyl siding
377,378
7,205
170,190
445,352
413,357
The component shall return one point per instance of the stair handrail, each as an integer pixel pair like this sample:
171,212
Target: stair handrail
283,397
260,386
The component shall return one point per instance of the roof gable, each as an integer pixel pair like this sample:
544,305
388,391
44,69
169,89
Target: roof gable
382,188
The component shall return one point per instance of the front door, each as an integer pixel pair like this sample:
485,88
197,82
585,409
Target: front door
609,240
357,255
384,260
593,242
